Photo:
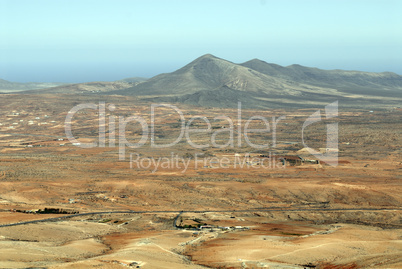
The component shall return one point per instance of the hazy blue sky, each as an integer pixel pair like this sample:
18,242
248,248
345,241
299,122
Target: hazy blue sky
85,40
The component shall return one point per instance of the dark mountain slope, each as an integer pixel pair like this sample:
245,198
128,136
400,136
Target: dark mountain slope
223,97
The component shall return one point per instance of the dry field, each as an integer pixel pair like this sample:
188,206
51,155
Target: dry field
137,214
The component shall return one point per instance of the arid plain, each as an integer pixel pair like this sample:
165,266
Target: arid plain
91,209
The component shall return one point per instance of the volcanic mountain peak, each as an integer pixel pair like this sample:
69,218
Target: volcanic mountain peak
208,55
208,63
204,73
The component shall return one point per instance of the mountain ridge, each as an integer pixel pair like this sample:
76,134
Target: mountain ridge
207,72
212,81
8,86
264,82
343,80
